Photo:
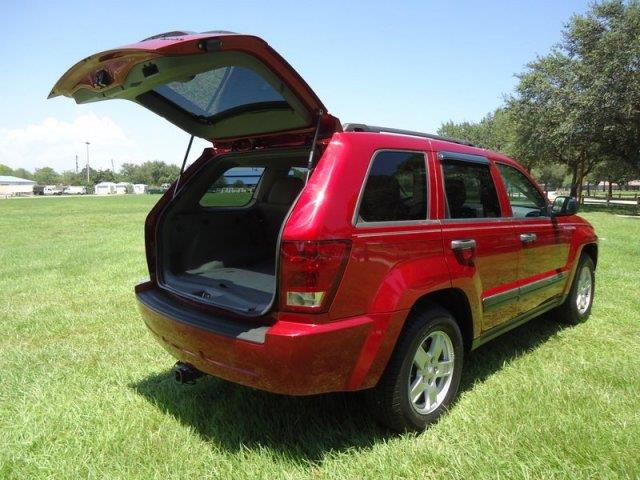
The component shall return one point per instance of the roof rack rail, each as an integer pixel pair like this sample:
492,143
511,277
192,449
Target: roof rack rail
361,127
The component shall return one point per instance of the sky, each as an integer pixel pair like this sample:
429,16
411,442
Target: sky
411,65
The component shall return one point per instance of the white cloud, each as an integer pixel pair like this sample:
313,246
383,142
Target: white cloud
55,143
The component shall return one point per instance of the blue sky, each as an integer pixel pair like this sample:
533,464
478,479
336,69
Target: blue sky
407,65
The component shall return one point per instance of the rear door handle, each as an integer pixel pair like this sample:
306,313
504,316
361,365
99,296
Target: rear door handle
463,244
528,237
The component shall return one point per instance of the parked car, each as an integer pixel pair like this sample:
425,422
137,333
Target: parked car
75,190
52,190
365,258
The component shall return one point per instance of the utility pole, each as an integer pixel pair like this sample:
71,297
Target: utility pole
88,161
76,163
113,169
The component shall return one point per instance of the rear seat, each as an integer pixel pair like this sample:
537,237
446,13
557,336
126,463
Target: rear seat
281,195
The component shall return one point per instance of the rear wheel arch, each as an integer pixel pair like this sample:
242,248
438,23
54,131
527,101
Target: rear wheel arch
591,249
455,301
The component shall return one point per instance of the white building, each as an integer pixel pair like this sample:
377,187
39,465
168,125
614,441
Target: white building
105,188
140,188
122,187
15,186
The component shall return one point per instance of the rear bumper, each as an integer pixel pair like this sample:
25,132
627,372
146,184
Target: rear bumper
287,357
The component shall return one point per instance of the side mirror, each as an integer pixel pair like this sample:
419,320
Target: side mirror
563,206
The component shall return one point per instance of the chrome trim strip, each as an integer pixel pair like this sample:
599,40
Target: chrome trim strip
399,223
515,322
478,220
509,297
543,283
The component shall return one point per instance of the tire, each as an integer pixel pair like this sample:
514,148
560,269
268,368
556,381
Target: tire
436,331
577,306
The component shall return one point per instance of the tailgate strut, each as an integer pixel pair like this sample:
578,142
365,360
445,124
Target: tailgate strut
312,153
184,162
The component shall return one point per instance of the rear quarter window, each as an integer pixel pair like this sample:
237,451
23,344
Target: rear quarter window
234,188
395,188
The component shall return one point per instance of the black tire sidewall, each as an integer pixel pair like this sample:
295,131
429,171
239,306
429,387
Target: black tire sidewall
429,324
575,315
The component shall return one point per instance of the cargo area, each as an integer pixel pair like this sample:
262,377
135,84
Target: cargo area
218,241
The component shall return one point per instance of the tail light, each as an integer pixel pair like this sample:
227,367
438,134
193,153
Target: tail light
310,272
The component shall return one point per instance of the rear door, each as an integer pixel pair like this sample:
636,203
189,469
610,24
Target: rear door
544,243
218,85
480,243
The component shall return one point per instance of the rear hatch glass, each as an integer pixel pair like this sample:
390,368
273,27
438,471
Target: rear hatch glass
217,86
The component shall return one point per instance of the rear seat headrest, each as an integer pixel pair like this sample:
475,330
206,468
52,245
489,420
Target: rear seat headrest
285,190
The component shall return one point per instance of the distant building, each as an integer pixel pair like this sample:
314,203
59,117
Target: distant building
122,187
15,186
140,188
105,188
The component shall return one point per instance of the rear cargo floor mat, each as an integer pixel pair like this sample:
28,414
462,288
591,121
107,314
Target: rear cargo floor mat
247,288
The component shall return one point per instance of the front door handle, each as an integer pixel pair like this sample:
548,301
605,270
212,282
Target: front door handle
463,244
527,238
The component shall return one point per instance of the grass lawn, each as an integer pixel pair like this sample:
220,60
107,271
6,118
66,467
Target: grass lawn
225,199
85,391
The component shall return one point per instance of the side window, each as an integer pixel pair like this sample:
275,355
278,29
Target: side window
234,188
299,172
470,190
396,188
524,197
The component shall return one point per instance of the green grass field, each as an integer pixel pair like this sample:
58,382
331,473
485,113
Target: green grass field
85,391
230,199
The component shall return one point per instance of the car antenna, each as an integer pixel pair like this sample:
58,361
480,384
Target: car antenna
184,162
313,145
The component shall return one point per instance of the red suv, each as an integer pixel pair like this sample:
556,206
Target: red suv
300,256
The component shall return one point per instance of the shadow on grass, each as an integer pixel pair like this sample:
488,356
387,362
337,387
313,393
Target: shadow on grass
490,357
306,428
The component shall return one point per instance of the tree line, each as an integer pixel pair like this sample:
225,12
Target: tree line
574,117
152,173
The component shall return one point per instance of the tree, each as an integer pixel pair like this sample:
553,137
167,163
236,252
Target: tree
494,131
157,173
606,45
70,177
611,171
580,104
549,124
105,175
220,182
238,184
5,170
22,173
150,173
132,173
551,176
46,176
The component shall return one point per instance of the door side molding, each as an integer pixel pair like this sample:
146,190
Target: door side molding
513,295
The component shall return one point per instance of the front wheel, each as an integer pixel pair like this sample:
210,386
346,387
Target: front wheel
577,306
422,377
